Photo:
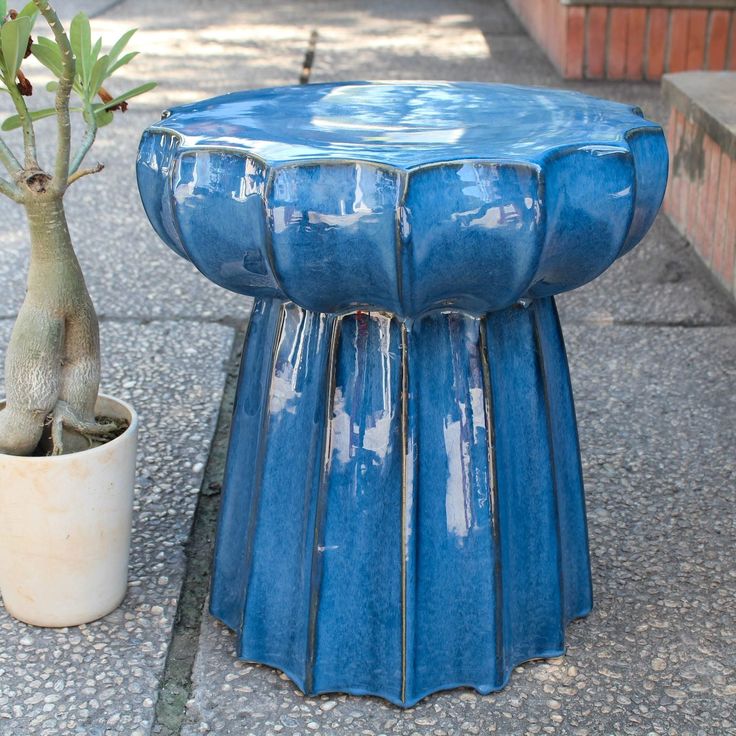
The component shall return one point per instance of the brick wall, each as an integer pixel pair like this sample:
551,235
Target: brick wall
701,195
622,42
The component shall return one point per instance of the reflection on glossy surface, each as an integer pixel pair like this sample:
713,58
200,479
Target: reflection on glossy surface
403,506
408,514
402,124
402,197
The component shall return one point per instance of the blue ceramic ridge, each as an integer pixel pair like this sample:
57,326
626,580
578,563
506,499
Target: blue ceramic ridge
403,509
403,226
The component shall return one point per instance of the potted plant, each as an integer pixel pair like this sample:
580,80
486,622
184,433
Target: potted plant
67,454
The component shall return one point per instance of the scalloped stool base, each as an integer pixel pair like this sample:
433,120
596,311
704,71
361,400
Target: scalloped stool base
403,507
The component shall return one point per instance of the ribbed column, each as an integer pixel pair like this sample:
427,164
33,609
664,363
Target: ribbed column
403,508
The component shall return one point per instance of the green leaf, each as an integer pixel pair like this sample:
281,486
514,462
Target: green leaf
97,76
103,118
121,62
49,54
119,45
30,11
143,88
13,122
3,11
52,86
81,41
96,51
14,41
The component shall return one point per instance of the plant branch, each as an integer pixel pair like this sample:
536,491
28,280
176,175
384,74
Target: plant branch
29,135
87,140
66,81
11,191
9,160
79,173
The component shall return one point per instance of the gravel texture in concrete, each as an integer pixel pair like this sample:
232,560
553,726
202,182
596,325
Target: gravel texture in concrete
103,677
658,654
652,348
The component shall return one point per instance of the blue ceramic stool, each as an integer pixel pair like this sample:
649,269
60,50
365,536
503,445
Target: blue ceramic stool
403,505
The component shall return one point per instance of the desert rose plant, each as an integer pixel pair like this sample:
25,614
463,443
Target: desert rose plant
52,365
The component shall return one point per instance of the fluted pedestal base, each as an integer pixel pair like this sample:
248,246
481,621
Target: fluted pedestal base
403,508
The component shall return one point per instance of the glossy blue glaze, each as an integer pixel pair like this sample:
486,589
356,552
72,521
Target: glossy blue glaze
403,197
403,506
403,510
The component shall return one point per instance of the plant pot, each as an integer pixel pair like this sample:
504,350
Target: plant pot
65,524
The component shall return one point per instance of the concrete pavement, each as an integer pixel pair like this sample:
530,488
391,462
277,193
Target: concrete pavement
652,348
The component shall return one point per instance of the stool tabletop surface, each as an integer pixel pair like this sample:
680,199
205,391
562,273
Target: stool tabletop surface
402,124
403,197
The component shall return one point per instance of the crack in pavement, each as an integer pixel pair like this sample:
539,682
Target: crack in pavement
175,686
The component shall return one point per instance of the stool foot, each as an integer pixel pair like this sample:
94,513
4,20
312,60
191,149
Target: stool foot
403,506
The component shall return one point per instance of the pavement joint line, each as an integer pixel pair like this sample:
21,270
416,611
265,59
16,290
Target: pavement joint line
175,687
309,58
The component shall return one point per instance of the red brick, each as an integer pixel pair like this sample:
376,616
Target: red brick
678,40
696,32
693,214
616,57
693,183
720,246
682,175
535,17
711,152
656,41
698,221
674,133
595,43
732,60
539,13
549,29
636,32
707,229
730,239
560,24
545,28
717,40
542,10
575,43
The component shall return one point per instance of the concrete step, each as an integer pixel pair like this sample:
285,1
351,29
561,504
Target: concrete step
701,198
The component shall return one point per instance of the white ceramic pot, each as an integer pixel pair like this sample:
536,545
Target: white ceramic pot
65,525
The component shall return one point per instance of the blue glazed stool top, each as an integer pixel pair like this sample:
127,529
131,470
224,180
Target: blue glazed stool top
403,125
403,197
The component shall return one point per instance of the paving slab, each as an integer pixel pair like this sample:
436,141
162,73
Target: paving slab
656,412
102,678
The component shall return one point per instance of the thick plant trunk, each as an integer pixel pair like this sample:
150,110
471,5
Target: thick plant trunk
52,367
